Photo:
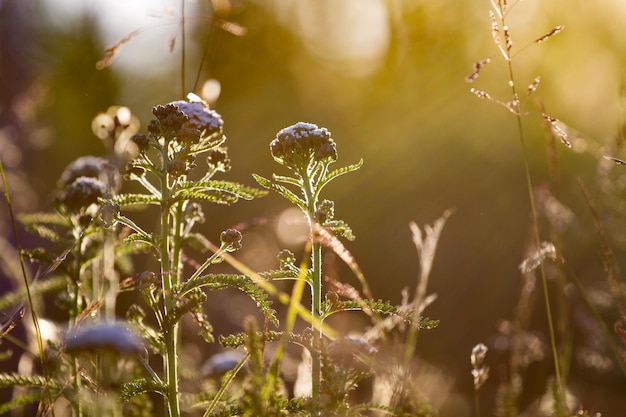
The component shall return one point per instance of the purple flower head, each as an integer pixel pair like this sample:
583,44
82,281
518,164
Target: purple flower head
82,193
207,121
299,144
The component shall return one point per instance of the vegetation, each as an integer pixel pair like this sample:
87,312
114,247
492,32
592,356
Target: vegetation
124,259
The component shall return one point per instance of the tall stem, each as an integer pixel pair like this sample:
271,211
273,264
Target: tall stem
167,276
316,290
535,221
316,308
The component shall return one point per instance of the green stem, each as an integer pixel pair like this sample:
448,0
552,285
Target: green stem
316,309
167,276
535,221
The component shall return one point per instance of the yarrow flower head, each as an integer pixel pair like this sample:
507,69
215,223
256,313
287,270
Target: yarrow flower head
205,120
301,144
82,193
170,118
92,167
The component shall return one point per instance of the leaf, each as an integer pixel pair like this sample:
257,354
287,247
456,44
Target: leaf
239,190
331,306
287,180
141,386
52,219
53,284
125,200
338,172
17,380
243,283
283,191
25,398
214,196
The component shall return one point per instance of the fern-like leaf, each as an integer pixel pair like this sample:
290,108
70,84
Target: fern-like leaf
241,191
141,386
214,282
282,190
125,200
52,284
17,380
338,172
214,196
25,398
50,219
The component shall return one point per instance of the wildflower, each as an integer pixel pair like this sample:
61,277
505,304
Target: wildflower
83,192
299,145
231,239
88,166
200,117
170,118
104,337
141,141
189,135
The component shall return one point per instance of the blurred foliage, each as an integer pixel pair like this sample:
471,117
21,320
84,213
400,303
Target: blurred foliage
427,143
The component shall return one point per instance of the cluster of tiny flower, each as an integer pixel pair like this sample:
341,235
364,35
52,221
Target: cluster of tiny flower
185,128
299,145
84,181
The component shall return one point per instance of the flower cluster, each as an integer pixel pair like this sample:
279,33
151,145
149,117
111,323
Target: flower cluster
181,130
84,181
201,118
301,144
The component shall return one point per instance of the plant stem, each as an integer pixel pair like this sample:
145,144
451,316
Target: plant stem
316,289
316,308
535,221
167,275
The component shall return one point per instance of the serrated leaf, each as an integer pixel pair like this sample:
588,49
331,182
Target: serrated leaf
43,231
214,196
243,283
378,306
125,200
52,219
287,180
338,172
282,190
240,190
52,284
140,238
140,386
340,228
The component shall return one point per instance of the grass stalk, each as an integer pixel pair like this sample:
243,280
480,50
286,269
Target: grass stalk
537,235
29,296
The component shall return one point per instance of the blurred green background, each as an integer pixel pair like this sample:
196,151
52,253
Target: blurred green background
387,78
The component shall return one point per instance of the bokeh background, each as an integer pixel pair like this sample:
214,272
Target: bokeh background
387,78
